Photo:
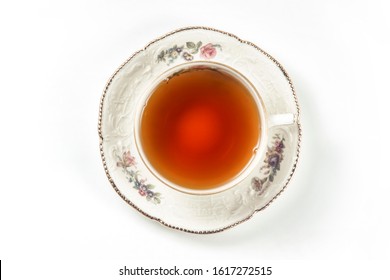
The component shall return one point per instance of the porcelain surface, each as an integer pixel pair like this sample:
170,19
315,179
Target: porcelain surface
136,182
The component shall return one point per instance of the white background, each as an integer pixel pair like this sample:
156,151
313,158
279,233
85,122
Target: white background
56,204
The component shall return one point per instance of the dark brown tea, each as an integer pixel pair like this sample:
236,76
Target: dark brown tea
199,128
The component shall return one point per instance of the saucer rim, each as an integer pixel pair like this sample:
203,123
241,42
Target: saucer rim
103,157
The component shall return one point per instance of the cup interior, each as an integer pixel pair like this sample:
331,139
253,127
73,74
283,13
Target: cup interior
262,116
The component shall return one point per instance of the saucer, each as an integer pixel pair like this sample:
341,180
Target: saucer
138,185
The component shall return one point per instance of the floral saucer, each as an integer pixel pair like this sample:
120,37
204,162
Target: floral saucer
135,181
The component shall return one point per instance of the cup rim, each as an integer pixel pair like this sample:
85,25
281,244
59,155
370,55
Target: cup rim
262,139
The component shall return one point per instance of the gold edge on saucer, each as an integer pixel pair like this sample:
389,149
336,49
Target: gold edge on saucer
158,219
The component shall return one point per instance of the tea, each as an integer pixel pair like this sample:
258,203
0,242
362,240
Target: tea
199,128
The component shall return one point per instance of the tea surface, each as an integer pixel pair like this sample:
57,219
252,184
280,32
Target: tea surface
199,129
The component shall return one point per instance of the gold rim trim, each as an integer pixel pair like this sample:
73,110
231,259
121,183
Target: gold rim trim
157,219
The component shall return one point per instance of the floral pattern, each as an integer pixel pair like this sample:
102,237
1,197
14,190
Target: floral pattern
208,51
128,165
187,52
273,158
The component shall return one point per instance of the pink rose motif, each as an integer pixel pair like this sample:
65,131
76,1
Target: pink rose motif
208,51
127,160
142,192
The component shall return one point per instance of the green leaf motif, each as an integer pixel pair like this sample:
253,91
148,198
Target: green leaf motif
190,45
